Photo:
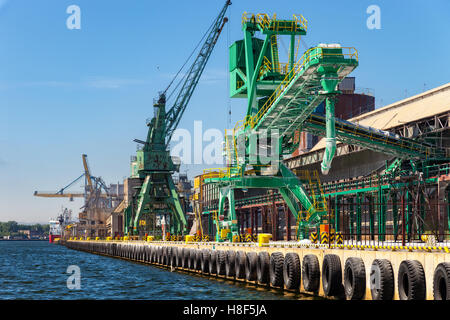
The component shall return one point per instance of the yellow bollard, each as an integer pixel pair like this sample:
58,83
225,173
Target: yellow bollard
190,238
263,238
150,238
108,238
224,233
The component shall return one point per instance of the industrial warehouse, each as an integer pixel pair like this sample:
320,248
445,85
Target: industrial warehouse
321,193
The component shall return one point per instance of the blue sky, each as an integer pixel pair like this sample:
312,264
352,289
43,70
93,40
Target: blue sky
68,92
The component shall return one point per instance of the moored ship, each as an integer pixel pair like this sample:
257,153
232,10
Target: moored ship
55,231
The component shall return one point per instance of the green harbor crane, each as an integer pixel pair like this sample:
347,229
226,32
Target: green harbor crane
154,166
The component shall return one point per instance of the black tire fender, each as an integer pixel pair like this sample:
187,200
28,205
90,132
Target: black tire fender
354,278
382,280
251,262
263,268
411,281
185,258
165,256
173,255
160,255
169,252
198,260
441,281
276,269
221,257
239,264
206,256
331,275
191,259
212,262
230,259
291,271
311,273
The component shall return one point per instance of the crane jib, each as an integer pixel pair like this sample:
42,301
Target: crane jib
175,113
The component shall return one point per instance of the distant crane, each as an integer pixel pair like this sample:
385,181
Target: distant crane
93,188
61,193
157,194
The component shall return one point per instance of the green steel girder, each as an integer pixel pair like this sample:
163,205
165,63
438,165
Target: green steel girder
337,214
395,213
382,209
230,221
158,191
358,216
288,185
371,217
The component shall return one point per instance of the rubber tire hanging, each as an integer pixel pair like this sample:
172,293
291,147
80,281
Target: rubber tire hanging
386,277
221,263
441,281
251,262
311,273
291,271
239,264
263,268
206,256
212,262
411,281
354,278
229,263
276,269
331,275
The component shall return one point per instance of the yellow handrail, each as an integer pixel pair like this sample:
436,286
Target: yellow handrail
227,172
271,23
306,58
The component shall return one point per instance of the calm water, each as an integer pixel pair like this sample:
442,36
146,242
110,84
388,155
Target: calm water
37,270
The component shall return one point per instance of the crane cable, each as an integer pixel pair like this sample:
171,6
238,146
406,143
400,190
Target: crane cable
228,80
184,64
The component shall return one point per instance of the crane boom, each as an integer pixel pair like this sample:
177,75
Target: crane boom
86,172
175,113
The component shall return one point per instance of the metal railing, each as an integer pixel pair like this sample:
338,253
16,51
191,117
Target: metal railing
401,221
265,22
306,58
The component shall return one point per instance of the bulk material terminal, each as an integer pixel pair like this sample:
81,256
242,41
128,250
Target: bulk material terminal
363,214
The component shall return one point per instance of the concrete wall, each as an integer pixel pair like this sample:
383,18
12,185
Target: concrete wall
429,260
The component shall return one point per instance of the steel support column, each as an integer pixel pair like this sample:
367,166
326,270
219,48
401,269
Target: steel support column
394,200
358,216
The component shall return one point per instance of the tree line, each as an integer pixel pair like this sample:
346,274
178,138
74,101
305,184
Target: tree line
11,228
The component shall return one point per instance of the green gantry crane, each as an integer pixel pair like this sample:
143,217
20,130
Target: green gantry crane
281,100
154,166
